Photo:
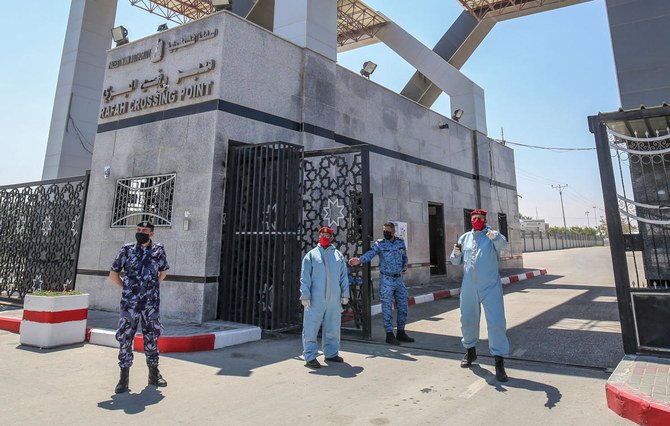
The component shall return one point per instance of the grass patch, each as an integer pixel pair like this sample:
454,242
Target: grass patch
55,293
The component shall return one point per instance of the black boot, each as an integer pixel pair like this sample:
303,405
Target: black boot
469,357
155,377
391,340
122,386
501,376
403,337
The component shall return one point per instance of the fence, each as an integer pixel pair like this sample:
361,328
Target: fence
537,241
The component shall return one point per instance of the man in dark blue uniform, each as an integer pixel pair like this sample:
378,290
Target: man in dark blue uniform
392,265
144,264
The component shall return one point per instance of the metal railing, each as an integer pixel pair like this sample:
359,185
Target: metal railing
40,232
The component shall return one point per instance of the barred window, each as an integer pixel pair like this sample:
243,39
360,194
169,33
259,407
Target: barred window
143,198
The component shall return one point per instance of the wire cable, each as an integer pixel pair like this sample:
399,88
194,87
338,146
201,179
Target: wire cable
506,142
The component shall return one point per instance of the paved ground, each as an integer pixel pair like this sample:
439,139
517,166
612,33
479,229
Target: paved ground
264,383
560,322
569,316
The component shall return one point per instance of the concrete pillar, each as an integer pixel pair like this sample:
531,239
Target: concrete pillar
308,23
75,113
463,93
641,45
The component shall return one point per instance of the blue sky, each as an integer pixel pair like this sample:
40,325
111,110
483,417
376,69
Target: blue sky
542,74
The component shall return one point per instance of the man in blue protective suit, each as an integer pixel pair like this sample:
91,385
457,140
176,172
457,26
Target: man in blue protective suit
324,288
392,265
479,250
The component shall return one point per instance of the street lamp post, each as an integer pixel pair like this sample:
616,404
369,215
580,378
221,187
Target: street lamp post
588,224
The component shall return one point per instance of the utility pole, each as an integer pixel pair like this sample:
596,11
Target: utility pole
560,191
588,225
595,216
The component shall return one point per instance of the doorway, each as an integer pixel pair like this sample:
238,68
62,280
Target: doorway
438,259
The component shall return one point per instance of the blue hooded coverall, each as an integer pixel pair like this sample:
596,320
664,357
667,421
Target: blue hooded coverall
323,281
481,285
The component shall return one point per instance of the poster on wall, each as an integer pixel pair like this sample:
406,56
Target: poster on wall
401,231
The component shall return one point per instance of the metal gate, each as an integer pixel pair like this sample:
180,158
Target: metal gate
634,157
336,193
261,250
276,197
40,232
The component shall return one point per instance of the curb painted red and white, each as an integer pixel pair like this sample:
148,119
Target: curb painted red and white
632,405
167,344
444,294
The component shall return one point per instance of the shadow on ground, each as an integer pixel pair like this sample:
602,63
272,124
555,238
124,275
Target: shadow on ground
133,403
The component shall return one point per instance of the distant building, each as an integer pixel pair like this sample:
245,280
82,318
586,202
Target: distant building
534,225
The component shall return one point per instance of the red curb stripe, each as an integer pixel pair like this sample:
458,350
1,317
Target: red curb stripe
637,409
10,324
442,294
543,272
411,301
167,344
530,274
55,317
513,279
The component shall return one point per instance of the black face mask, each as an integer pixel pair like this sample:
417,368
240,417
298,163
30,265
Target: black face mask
141,237
388,235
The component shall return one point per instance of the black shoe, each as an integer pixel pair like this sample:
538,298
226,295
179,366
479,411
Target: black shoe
501,376
313,364
155,377
122,386
469,358
335,358
403,337
391,340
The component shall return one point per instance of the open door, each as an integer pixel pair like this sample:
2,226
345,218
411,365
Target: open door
438,258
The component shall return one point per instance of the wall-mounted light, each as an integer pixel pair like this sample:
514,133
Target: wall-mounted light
457,115
443,126
368,68
222,4
120,35
106,171
162,27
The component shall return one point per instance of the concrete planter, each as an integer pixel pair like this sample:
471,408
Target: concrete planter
50,321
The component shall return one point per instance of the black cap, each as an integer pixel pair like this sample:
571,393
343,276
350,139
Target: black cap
146,224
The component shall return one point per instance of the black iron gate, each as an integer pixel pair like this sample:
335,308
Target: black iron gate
40,232
276,197
634,157
259,270
336,193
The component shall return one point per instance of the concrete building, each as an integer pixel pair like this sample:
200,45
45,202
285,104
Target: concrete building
226,81
641,45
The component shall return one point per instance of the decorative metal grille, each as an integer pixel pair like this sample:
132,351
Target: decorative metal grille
336,194
144,198
40,230
634,157
260,256
643,186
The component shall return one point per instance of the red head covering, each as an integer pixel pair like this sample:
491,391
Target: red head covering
478,211
327,230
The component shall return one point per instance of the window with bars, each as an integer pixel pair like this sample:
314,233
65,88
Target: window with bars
143,198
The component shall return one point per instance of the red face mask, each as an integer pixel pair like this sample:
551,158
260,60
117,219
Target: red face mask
478,224
324,241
